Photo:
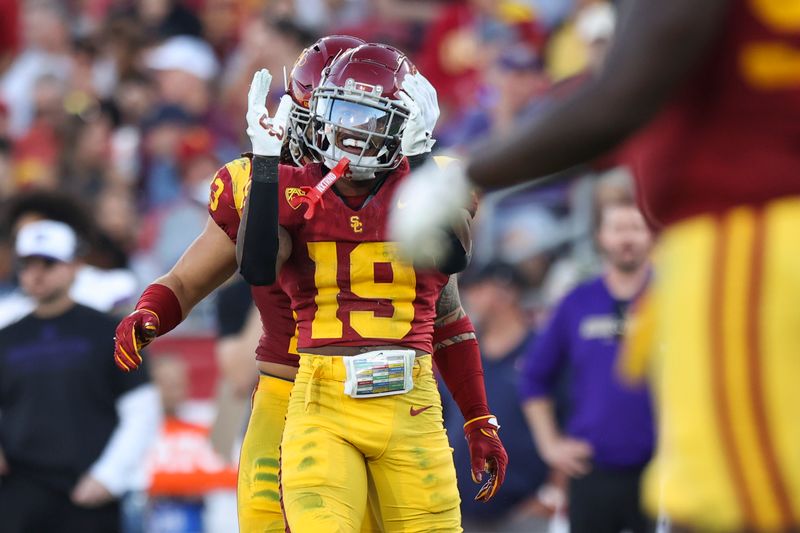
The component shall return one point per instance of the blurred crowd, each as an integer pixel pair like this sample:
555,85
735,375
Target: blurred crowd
128,107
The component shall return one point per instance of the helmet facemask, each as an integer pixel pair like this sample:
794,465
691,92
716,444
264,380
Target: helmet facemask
356,122
297,128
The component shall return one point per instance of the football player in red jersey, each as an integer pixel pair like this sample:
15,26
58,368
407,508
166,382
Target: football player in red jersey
715,88
209,260
364,408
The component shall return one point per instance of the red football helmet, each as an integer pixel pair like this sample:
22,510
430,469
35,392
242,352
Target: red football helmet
303,79
357,112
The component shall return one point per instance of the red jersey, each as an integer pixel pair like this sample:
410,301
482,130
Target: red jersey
731,133
348,284
278,343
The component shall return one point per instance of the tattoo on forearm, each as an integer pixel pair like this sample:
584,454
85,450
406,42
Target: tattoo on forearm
448,306
448,310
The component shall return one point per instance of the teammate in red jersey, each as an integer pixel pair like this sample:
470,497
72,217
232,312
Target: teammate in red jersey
258,483
717,85
364,404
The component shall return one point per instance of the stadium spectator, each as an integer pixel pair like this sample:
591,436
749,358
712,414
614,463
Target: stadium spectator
185,69
186,215
117,222
73,428
274,43
162,133
182,466
103,290
492,298
239,329
238,332
580,44
163,18
513,85
464,41
46,52
608,436
9,31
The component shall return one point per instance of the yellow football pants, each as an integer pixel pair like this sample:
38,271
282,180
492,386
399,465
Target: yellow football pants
334,447
722,328
258,495
258,491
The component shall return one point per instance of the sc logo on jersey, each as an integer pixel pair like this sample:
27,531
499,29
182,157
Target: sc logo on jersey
356,224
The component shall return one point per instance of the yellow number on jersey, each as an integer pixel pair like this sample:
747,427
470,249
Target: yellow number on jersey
400,291
217,187
773,64
326,324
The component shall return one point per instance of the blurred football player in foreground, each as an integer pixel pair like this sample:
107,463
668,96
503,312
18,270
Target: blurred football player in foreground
717,85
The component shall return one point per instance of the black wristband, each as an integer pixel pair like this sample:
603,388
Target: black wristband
457,258
416,161
265,169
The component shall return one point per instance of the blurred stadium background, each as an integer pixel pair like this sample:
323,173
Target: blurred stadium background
130,106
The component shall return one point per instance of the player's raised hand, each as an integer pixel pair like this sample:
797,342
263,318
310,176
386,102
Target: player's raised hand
134,332
266,134
487,455
419,96
426,206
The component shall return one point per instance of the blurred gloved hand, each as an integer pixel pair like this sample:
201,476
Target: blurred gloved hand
426,206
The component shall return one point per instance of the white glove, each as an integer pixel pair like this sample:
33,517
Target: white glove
419,97
266,134
426,206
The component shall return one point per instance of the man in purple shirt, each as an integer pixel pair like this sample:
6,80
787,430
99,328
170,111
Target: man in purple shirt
608,434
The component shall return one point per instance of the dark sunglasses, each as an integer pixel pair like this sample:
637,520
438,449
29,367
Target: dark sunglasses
25,262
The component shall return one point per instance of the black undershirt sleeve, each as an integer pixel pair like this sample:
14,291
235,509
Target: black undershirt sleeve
257,239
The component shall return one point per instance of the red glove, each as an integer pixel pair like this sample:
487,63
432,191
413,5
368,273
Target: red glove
157,312
134,332
487,455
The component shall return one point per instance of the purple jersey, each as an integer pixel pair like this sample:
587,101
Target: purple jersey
582,340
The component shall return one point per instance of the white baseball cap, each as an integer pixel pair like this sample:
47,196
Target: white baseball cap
188,54
47,238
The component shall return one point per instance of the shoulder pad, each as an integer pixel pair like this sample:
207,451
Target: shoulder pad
228,191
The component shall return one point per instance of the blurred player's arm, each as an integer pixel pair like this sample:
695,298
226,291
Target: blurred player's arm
458,358
656,47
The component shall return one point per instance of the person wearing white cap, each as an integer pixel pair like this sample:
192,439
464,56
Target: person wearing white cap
184,67
73,430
